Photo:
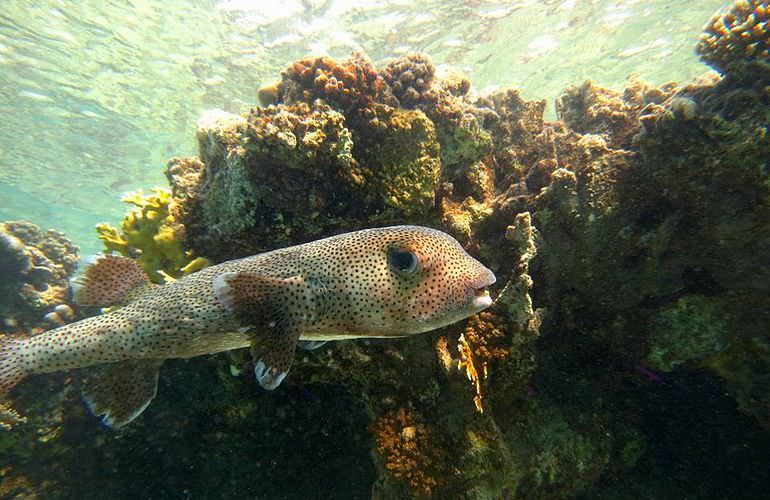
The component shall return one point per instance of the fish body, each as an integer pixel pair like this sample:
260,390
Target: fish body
382,282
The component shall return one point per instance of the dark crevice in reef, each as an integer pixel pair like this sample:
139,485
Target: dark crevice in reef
697,442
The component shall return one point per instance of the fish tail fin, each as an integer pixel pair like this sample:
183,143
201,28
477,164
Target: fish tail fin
11,369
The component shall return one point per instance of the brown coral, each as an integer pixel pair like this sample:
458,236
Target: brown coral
485,333
409,78
737,33
347,86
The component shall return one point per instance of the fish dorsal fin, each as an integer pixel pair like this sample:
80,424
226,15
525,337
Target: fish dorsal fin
120,392
275,310
111,280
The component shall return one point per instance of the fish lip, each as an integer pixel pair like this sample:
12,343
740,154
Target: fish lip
480,297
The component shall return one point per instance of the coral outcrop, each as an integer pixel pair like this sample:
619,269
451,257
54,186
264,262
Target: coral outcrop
332,152
675,226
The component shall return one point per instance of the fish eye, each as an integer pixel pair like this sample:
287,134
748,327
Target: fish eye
403,261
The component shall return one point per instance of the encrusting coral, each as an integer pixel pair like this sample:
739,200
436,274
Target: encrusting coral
399,161
267,178
739,33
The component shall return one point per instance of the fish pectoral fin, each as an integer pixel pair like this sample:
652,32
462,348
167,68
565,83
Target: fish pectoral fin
110,280
311,345
120,392
273,352
257,299
274,309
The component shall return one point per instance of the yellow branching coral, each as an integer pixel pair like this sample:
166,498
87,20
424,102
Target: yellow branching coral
408,449
150,234
740,32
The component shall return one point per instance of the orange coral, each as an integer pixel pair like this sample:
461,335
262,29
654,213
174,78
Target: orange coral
485,333
408,449
14,485
468,361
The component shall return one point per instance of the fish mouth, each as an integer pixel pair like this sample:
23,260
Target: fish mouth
481,299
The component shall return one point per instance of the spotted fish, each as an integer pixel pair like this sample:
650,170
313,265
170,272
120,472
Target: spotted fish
382,282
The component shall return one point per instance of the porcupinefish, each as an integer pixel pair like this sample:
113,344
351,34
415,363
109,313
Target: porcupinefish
382,282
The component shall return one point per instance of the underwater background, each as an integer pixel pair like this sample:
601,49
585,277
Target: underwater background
607,160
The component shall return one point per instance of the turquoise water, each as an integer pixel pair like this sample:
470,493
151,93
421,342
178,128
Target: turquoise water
96,96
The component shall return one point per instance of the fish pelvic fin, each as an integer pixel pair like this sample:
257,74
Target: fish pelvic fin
110,280
273,350
274,310
311,345
120,392
11,368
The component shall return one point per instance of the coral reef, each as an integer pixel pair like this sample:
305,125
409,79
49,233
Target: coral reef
588,109
35,267
150,234
630,239
739,33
